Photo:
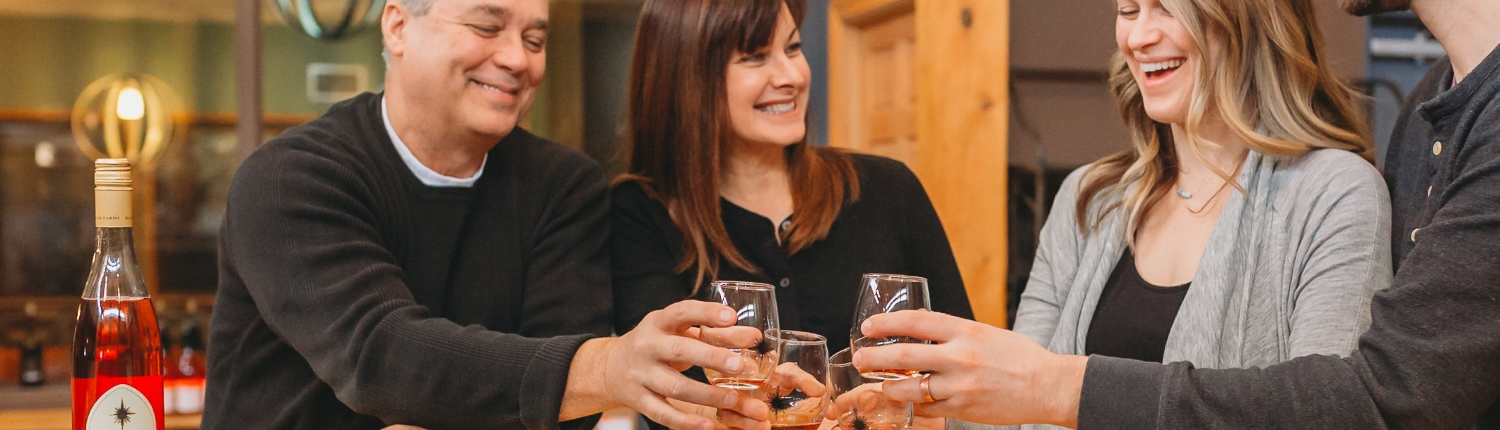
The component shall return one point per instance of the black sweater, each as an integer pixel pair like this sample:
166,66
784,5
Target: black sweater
1431,359
353,296
892,228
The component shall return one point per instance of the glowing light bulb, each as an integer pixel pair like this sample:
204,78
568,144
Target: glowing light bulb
46,155
130,106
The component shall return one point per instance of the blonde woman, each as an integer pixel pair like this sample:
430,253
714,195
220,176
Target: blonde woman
1247,226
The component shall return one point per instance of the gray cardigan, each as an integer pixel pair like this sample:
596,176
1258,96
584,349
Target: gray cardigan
1289,269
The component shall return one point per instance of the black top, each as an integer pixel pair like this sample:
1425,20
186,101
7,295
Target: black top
1431,359
353,296
1133,317
892,228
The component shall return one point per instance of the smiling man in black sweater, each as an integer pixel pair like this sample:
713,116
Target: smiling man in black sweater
412,257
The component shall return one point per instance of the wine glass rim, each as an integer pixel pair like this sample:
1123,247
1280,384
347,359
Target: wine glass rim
843,352
794,337
895,277
742,285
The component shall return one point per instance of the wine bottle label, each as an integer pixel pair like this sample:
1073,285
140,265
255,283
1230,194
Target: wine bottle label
121,408
112,208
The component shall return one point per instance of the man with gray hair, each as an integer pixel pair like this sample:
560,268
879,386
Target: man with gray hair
413,257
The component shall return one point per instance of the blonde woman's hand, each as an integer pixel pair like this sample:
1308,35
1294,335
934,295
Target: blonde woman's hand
979,373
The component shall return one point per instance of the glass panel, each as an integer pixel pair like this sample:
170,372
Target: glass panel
46,210
55,49
192,186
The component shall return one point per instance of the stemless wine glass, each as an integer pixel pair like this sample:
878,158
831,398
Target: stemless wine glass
880,293
861,404
752,336
798,393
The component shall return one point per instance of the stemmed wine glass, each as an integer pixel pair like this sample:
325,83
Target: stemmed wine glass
881,293
798,394
859,403
753,335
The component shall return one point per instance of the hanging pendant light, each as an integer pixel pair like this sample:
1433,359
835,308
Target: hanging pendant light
126,115
330,19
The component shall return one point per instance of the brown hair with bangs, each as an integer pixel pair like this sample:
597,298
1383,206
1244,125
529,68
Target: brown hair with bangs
679,126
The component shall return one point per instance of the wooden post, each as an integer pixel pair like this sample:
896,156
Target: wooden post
144,209
962,93
247,75
956,142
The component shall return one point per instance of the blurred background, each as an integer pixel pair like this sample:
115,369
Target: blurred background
991,102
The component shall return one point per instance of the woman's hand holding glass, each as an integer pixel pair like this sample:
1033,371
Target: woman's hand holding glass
980,373
882,293
798,396
859,403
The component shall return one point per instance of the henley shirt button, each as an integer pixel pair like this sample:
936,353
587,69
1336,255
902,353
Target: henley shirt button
786,282
1414,234
1437,148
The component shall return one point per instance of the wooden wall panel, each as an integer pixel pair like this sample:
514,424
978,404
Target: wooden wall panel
960,115
962,59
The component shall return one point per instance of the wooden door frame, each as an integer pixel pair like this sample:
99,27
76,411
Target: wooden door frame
844,17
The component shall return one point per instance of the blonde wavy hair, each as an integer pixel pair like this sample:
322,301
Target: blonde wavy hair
1268,83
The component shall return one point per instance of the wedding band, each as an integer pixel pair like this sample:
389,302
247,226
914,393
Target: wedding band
926,389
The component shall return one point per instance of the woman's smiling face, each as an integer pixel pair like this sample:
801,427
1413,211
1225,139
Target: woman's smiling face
767,90
1162,55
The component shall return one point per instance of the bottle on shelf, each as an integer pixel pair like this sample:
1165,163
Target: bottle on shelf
31,350
168,356
117,362
186,367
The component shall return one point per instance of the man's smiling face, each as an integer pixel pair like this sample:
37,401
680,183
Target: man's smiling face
476,64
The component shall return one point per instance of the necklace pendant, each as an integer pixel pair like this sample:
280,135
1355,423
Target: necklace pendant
1184,194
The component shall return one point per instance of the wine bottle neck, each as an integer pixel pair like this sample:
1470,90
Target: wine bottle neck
114,240
114,272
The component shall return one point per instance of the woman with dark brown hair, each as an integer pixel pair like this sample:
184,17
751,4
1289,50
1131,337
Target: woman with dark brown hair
723,183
